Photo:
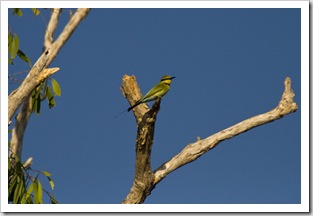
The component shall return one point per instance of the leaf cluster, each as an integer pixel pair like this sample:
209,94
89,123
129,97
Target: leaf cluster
14,50
19,12
14,42
43,92
25,188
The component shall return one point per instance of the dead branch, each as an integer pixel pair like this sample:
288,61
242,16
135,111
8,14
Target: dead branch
51,27
68,30
194,150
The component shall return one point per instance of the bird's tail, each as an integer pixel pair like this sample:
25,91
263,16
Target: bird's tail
129,109
133,106
119,114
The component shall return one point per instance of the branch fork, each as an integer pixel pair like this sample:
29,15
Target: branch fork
145,179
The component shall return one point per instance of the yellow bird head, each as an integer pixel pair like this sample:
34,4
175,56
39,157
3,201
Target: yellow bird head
166,79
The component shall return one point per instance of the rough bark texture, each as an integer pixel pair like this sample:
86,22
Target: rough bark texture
36,75
145,181
18,131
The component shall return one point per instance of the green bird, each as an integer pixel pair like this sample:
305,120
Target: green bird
157,91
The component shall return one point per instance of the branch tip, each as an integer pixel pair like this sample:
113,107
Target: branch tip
287,84
46,73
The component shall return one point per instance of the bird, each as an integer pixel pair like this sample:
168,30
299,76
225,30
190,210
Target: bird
159,90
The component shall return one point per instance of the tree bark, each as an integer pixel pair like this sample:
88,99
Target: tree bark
144,140
22,118
145,181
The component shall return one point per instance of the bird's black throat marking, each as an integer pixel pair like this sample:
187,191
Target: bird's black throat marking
166,79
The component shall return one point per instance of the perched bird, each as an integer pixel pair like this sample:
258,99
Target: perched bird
157,91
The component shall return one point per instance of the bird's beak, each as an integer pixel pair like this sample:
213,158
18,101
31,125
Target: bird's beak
173,77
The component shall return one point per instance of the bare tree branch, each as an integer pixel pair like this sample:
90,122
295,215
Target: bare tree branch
194,150
68,30
52,25
22,118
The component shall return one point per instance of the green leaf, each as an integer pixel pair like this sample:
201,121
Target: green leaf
10,39
46,173
17,44
10,62
34,104
34,101
16,193
13,46
17,11
29,190
56,87
26,197
53,200
24,57
29,200
12,185
37,192
51,100
35,188
19,190
36,11
38,104
51,183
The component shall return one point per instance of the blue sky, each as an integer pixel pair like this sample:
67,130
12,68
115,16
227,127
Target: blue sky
230,64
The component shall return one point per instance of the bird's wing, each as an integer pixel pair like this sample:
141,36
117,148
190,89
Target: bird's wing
153,93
